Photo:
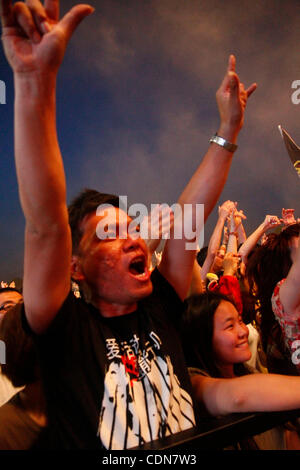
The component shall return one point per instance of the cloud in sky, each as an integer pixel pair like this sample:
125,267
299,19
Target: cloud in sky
174,53
137,100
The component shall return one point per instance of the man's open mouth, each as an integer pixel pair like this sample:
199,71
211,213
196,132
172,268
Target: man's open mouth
138,266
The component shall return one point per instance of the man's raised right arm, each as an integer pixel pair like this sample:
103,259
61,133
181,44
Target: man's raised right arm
34,42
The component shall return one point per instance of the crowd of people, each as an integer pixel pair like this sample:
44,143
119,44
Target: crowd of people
111,344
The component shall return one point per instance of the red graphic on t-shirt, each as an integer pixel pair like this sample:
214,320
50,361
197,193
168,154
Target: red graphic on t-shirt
131,367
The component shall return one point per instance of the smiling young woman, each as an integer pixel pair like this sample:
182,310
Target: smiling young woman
215,341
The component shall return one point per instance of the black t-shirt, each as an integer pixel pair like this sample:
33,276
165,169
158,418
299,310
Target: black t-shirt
115,382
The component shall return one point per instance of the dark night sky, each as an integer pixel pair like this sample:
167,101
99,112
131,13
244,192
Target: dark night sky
136,106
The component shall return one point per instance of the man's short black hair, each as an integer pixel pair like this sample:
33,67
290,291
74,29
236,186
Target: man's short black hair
86,203
9,289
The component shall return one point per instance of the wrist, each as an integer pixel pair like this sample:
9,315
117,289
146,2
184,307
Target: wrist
228,132
228,272
223,217
264,227
34,84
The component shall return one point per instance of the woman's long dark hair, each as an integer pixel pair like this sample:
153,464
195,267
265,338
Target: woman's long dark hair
198,333
269,264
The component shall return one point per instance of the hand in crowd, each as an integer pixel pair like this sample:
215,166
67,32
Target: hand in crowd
232,99
230,264
226,208
235,218
271,221
34,38
238,217
288,217
218,260
156,226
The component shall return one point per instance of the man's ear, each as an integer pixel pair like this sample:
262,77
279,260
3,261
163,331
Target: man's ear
76,272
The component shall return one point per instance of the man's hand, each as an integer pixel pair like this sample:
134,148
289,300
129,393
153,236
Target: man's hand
33,37
232,100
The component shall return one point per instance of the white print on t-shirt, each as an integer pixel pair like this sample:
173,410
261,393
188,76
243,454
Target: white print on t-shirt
142,398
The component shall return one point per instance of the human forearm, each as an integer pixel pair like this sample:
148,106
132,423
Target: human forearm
232,243
207,265
242,237
215,239
251,241
250,393
208,181
38,160
266,392
232,237
270,221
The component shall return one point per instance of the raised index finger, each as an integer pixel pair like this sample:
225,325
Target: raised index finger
6,12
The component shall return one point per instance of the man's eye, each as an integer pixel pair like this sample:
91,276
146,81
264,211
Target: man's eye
7,306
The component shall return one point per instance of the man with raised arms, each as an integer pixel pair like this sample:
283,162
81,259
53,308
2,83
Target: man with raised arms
113,369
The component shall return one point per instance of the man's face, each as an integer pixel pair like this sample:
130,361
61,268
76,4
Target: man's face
115,269
7,300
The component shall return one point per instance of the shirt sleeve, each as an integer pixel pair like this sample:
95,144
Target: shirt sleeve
290,326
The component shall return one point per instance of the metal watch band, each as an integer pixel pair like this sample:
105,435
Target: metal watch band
223,143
